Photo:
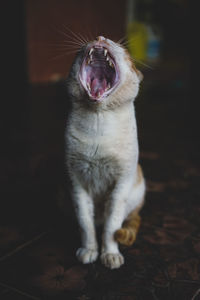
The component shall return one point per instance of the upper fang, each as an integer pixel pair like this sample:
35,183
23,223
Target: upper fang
91,50
105,52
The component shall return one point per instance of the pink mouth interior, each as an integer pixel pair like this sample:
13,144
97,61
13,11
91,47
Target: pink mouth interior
98,73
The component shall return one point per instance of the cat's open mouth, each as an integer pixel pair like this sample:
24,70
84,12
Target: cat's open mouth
99,74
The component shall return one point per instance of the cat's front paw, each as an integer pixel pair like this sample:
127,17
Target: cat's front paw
112,260
86,256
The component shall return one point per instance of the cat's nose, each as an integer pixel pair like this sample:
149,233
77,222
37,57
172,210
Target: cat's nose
100,38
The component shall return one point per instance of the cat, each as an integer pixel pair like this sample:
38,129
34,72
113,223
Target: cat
108,186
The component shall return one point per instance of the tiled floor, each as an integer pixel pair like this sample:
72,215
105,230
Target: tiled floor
37,243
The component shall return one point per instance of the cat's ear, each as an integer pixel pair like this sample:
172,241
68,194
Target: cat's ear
140,75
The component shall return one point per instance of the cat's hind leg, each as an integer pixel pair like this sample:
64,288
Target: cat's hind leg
127,234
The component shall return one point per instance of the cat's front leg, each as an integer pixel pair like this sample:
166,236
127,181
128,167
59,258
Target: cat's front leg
114,217
84,207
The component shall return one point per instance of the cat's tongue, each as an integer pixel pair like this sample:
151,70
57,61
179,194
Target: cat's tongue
98,87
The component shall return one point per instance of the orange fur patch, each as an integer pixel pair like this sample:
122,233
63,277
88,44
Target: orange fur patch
127,234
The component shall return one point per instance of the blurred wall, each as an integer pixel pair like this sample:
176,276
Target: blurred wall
46,31
14,79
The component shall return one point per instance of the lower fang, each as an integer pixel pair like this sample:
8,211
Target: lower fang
88,86
111,64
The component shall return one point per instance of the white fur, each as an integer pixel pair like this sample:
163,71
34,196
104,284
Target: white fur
102,158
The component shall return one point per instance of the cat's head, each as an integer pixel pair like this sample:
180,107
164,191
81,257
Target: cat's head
103,74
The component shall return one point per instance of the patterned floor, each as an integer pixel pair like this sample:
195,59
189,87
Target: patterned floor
37,243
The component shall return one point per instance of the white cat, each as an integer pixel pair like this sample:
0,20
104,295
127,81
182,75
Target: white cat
102,149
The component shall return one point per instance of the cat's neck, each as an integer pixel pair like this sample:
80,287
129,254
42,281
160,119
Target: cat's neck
104,123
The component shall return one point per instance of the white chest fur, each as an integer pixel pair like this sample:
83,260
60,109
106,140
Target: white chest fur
101,145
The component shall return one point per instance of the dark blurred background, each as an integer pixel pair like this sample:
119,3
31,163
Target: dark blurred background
37,53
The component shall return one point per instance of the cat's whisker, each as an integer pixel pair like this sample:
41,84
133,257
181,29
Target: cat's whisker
90,35
122,39
65,34
72,43
129,42
142,63
71,38
126,40
85,38
81,39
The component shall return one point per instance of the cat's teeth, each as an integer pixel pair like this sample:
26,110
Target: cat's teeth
109,61
89,60
88,86
108,87
91,50
111,64
105,52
